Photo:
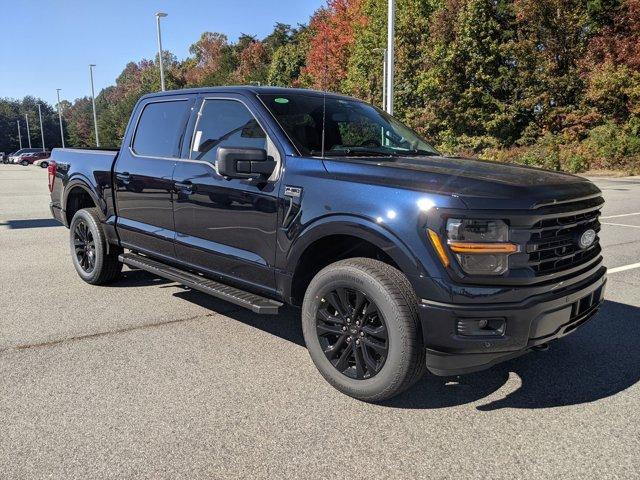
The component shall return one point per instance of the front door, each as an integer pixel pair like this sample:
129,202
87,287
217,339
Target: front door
226,226
144,176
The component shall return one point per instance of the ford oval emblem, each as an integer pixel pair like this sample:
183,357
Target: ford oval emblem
587,238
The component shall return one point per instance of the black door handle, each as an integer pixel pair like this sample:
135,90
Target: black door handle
185,187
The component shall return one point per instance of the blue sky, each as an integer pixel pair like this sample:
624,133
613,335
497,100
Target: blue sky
48,44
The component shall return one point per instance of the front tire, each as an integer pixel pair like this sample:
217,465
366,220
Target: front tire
360,324
89,249
24,163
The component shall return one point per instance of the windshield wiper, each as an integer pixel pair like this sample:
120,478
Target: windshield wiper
348,152
426,153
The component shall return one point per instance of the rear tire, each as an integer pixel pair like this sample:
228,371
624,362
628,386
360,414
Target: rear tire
24,163
44,165
358,287
89,249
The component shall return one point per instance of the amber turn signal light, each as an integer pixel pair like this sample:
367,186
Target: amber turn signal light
437,244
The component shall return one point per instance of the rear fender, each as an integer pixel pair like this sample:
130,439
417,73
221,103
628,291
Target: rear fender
83,182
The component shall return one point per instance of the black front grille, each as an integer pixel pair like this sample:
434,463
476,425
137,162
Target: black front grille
553,244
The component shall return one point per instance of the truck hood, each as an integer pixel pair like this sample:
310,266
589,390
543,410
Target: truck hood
479,184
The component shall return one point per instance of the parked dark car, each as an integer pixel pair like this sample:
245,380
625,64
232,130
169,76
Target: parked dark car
402,259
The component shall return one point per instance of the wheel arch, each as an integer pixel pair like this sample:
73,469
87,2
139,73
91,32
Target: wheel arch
79,194
322,244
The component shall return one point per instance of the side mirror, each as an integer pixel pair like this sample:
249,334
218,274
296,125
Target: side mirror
244,163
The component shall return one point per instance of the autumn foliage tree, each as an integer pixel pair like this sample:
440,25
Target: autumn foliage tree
553,83
334,30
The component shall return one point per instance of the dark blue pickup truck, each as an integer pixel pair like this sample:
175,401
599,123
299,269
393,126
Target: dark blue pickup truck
403,260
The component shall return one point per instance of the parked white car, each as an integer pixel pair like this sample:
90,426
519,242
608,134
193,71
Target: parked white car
42,163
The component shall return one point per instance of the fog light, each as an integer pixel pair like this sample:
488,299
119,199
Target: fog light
481,327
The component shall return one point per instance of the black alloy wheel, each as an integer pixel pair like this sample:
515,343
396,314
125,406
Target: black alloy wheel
361,327
352,333
85,247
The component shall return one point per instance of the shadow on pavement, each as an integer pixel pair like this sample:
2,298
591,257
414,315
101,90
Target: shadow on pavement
600,359
286,325
140,278
32,223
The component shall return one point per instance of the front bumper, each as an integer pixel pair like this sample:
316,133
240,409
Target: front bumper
535,321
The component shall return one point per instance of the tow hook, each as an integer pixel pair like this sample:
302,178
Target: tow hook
543,347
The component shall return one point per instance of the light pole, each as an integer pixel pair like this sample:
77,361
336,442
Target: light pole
160,15
93,101
390,54
41,130
26,118
60,116
384,75
19,136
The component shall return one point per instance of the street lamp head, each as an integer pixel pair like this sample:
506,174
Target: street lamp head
161,14
92,65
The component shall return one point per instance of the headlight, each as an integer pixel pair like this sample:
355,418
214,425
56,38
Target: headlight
481,246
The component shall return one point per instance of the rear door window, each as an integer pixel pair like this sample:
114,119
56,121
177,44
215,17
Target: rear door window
159,129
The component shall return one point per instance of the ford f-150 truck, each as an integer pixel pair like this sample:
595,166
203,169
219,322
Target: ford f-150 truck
403,260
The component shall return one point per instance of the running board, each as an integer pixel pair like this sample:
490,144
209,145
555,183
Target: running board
253,302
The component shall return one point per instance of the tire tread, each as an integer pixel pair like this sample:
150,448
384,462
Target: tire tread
403,296
111,267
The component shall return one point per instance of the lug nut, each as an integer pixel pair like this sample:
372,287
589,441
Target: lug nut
357,342
358,322
344,329
348,320
348,339
362,334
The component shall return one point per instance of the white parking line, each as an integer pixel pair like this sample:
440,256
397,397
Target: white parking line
623,268
621,225
621,215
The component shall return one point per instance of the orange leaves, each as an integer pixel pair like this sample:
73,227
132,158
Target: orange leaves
335,28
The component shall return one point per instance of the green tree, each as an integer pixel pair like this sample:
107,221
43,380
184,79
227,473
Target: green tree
80,123
9,115
289,59
469,83
552,39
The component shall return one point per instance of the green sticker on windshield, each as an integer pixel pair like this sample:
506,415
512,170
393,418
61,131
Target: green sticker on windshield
281,100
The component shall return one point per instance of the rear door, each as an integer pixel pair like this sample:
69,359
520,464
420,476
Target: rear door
227,226
143,175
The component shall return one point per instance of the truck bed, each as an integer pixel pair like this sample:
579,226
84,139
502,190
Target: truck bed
91,166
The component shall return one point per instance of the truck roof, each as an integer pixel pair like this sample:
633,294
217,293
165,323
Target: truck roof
252,89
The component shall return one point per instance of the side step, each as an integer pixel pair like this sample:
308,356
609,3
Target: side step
253,302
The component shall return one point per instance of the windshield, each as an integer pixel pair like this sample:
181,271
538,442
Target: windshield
351,128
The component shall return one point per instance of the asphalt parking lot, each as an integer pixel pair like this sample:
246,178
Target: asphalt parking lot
146,379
